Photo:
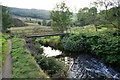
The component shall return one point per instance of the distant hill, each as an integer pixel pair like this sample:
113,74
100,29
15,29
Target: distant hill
33,13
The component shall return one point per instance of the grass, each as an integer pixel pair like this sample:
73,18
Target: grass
28,19
49,39
84,29
3,46
4,49
24,66
0,50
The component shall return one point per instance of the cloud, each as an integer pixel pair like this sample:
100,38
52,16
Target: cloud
45,4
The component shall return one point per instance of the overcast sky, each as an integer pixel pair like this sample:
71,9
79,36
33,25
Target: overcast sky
45,4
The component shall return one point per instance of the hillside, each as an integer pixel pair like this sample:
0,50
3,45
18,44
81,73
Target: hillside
33,13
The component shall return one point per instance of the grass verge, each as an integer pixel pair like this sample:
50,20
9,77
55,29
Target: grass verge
24,66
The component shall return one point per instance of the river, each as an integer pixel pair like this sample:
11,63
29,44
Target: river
83,66
50,52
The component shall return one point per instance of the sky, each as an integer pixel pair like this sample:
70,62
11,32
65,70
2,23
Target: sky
75,5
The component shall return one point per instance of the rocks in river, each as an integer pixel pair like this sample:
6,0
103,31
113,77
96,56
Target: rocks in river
86,66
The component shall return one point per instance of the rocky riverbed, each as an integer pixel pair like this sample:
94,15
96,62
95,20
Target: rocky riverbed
85,66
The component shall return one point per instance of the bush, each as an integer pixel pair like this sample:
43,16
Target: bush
104,44
49,64
76,43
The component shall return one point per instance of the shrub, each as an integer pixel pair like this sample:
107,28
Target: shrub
104,44
49,64
76,43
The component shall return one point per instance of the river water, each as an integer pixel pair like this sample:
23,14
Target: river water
50,52
83,66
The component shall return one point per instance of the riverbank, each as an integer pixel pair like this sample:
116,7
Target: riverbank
102,44
24,66
83,66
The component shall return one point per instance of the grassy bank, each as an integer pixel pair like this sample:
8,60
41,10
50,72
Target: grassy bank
4,46
49,64
0,50
4,49
24,66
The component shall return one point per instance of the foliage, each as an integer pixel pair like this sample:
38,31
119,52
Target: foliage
4,49
48,39
4,46
61,16
50,65
49,23
6,18
111,13
86,16
103,44
110,16
24,66
39,23
76,43
44,23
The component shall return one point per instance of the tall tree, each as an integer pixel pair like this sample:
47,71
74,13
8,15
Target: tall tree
82,16
61,17
93,16
6,19
86,16
115,12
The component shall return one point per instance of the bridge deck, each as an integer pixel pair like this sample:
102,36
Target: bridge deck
58,34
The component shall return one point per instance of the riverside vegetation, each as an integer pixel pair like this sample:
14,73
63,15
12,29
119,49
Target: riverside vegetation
103,44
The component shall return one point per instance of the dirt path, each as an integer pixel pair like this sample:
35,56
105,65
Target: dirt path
6,71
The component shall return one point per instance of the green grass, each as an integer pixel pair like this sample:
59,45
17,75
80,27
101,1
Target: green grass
0,50
84,29
24,66
49,39
4,49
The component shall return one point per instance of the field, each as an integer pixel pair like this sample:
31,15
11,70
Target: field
35,29
28,19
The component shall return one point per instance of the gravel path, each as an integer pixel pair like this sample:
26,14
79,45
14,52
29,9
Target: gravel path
7,67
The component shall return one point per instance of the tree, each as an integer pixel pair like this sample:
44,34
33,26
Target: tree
49,23
6,19
39,22
113,13
82,16
93,15
61,17
44,23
